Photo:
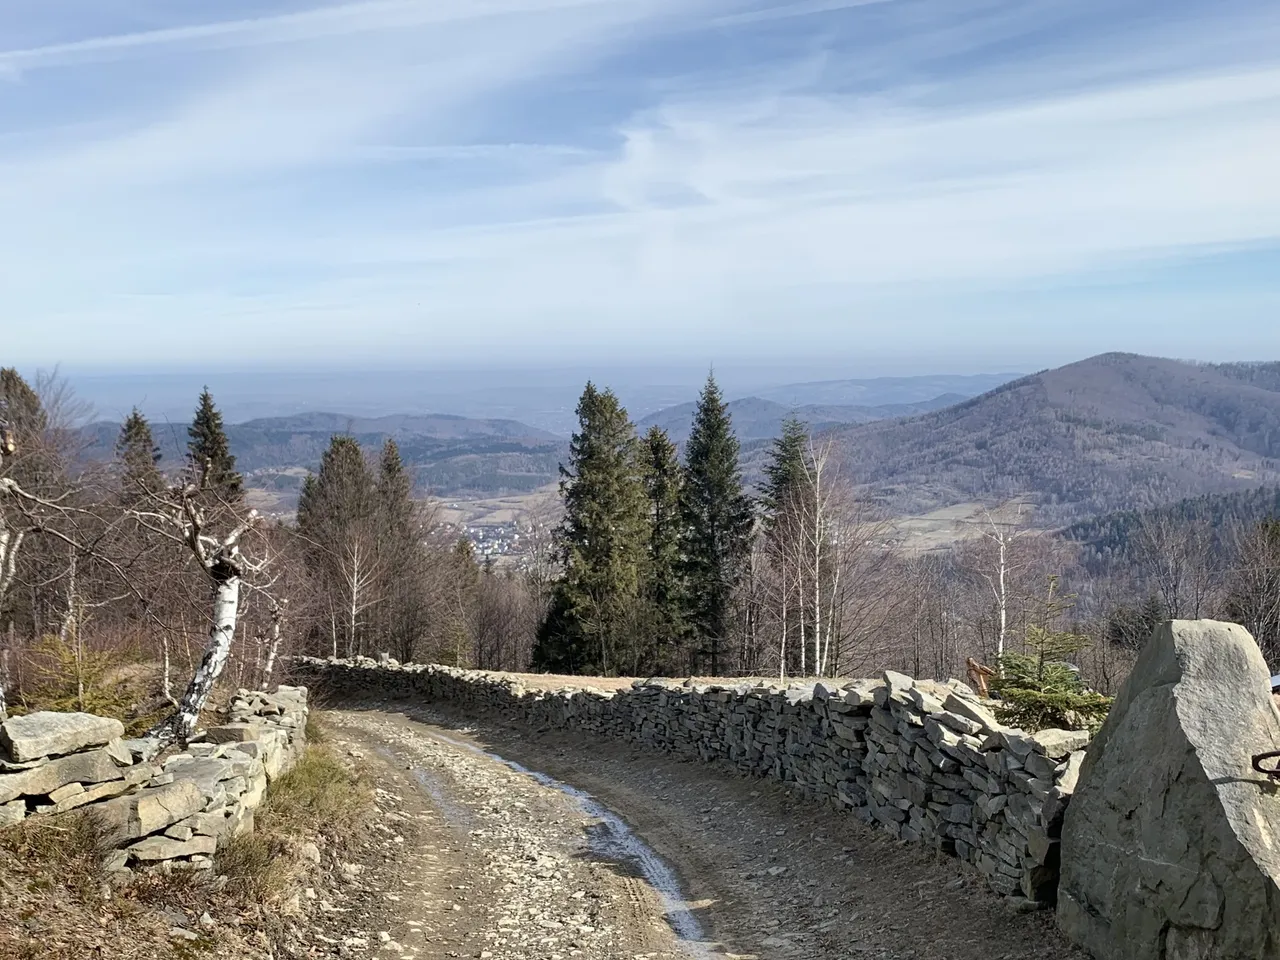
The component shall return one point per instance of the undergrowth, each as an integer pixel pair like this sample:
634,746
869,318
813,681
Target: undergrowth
318,798
69,848
67,677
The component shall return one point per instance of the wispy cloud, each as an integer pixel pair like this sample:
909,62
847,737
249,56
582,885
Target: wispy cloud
434,175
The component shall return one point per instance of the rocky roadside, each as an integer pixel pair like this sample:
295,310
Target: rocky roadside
767,875
480,860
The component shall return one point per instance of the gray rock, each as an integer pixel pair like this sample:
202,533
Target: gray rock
971,710
148,811
143,749
234,733
92,767
49,734
1170,844
1056,744
15,811
120,753
164,848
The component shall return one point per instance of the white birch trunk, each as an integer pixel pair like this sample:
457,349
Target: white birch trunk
273,647
166,677
226,610
1003,599
4,684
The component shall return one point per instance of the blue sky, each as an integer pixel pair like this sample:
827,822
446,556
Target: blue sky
985,184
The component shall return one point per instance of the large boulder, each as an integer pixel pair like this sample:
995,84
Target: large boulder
1171,843
51,734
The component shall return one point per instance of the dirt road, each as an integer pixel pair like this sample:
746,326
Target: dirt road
630,854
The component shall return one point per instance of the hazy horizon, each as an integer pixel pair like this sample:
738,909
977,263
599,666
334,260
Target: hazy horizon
535,181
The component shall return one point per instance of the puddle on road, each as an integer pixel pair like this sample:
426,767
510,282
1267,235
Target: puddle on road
433,785
612,839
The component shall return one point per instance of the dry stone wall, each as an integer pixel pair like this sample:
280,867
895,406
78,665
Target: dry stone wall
172,811
926,761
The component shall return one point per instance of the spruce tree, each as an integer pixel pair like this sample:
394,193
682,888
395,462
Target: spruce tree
33,463
784,472
402,616
717,520
664,581
338,497
337,517
602,542
209,455
139,457
395,493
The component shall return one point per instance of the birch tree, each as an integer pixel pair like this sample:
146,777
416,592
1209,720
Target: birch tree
182,515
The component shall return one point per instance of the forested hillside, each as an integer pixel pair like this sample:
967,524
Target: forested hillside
1113,539
447,455
1117,431
758,419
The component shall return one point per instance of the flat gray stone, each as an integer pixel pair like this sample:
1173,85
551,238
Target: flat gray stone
147,811
50,734
165,848
15,811
96,766
972,710
1056,744
1171,842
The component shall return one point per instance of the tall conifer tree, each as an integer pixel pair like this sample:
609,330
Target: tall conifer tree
139,458
602,542
717,519
664,574
784,472
209,454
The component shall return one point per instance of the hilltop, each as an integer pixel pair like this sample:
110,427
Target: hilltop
1115,431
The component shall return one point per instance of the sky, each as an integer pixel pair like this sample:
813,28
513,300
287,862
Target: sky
950,184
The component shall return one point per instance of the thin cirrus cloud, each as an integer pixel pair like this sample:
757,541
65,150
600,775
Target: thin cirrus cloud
465,177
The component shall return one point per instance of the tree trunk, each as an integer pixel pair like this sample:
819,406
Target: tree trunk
4,682
226,610
273,648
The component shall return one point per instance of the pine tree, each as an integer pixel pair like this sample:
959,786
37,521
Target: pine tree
337,517
395,493
784,472
139,458
602,542
717,519
402,617
209,455
25,425
21,409
339,496
664,583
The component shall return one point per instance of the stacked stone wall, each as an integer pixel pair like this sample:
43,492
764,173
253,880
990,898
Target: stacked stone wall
172,811
924,760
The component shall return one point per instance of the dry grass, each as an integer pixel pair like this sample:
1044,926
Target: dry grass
70,848
56,903
320,799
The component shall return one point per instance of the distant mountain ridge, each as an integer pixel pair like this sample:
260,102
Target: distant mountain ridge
1116,431
882,392
757,419
449,455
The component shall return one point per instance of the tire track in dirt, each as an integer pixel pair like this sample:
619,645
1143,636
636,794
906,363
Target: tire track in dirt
767,875
546,873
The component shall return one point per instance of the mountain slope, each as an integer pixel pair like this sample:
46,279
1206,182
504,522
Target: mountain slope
1109,540
449,455
1117,431
755,418
882,391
